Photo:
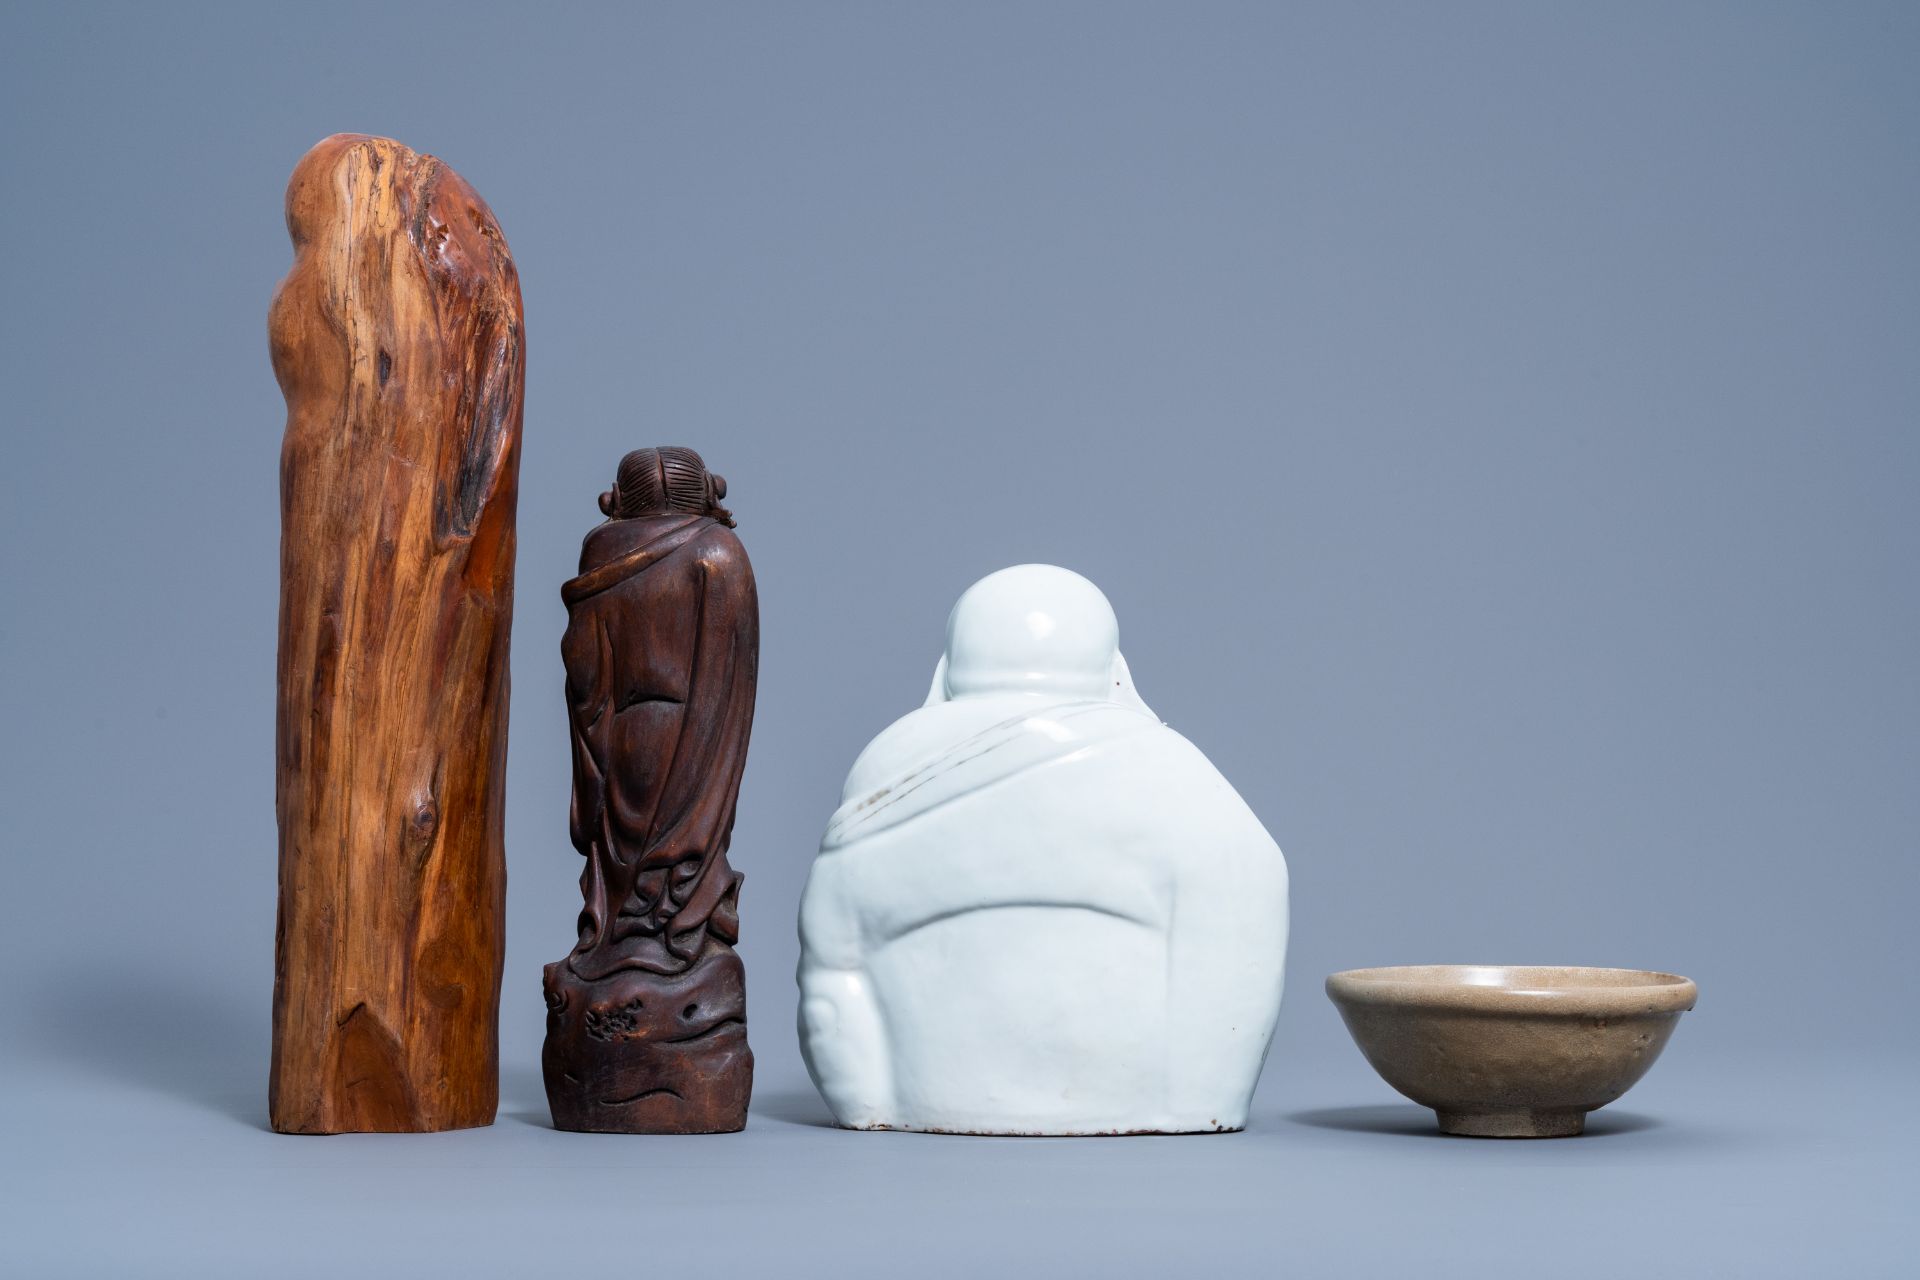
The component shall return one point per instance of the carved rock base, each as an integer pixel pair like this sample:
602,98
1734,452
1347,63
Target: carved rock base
639,1052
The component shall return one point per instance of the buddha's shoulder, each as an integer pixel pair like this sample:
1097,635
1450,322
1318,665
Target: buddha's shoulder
926,734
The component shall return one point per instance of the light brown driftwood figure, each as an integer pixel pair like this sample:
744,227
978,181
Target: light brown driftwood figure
397,341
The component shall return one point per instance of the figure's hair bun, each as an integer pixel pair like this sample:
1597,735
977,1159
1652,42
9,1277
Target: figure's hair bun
668,478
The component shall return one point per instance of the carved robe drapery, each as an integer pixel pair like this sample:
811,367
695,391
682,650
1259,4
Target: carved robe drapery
647,1017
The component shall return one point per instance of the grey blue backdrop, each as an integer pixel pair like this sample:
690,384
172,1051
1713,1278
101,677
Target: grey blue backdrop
1497,427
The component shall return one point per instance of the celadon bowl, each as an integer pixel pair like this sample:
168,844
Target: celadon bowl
1510,1051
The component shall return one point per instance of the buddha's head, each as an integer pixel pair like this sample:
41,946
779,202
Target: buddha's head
1033,628
663,481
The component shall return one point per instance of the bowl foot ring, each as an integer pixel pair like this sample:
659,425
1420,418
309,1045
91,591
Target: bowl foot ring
1513,1124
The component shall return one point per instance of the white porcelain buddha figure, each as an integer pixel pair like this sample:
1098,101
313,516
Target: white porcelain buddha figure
1038,909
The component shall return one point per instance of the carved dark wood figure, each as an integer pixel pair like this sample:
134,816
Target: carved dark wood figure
647,1018
397,340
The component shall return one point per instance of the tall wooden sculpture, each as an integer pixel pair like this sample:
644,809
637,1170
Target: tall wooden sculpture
647,1018
397,341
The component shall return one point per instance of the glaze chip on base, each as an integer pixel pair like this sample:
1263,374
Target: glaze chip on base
1038,910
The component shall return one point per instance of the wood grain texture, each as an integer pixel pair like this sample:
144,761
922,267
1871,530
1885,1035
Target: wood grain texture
397,340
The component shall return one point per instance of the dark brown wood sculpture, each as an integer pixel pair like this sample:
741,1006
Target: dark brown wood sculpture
397,341
647,1018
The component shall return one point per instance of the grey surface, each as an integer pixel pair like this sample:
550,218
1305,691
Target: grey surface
1498,429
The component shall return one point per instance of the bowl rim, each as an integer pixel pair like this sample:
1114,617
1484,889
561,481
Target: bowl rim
1652,991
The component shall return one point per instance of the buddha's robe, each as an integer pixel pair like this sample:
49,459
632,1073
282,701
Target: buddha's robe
1040,914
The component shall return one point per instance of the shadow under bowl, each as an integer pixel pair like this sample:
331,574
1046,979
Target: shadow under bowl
1510,1051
